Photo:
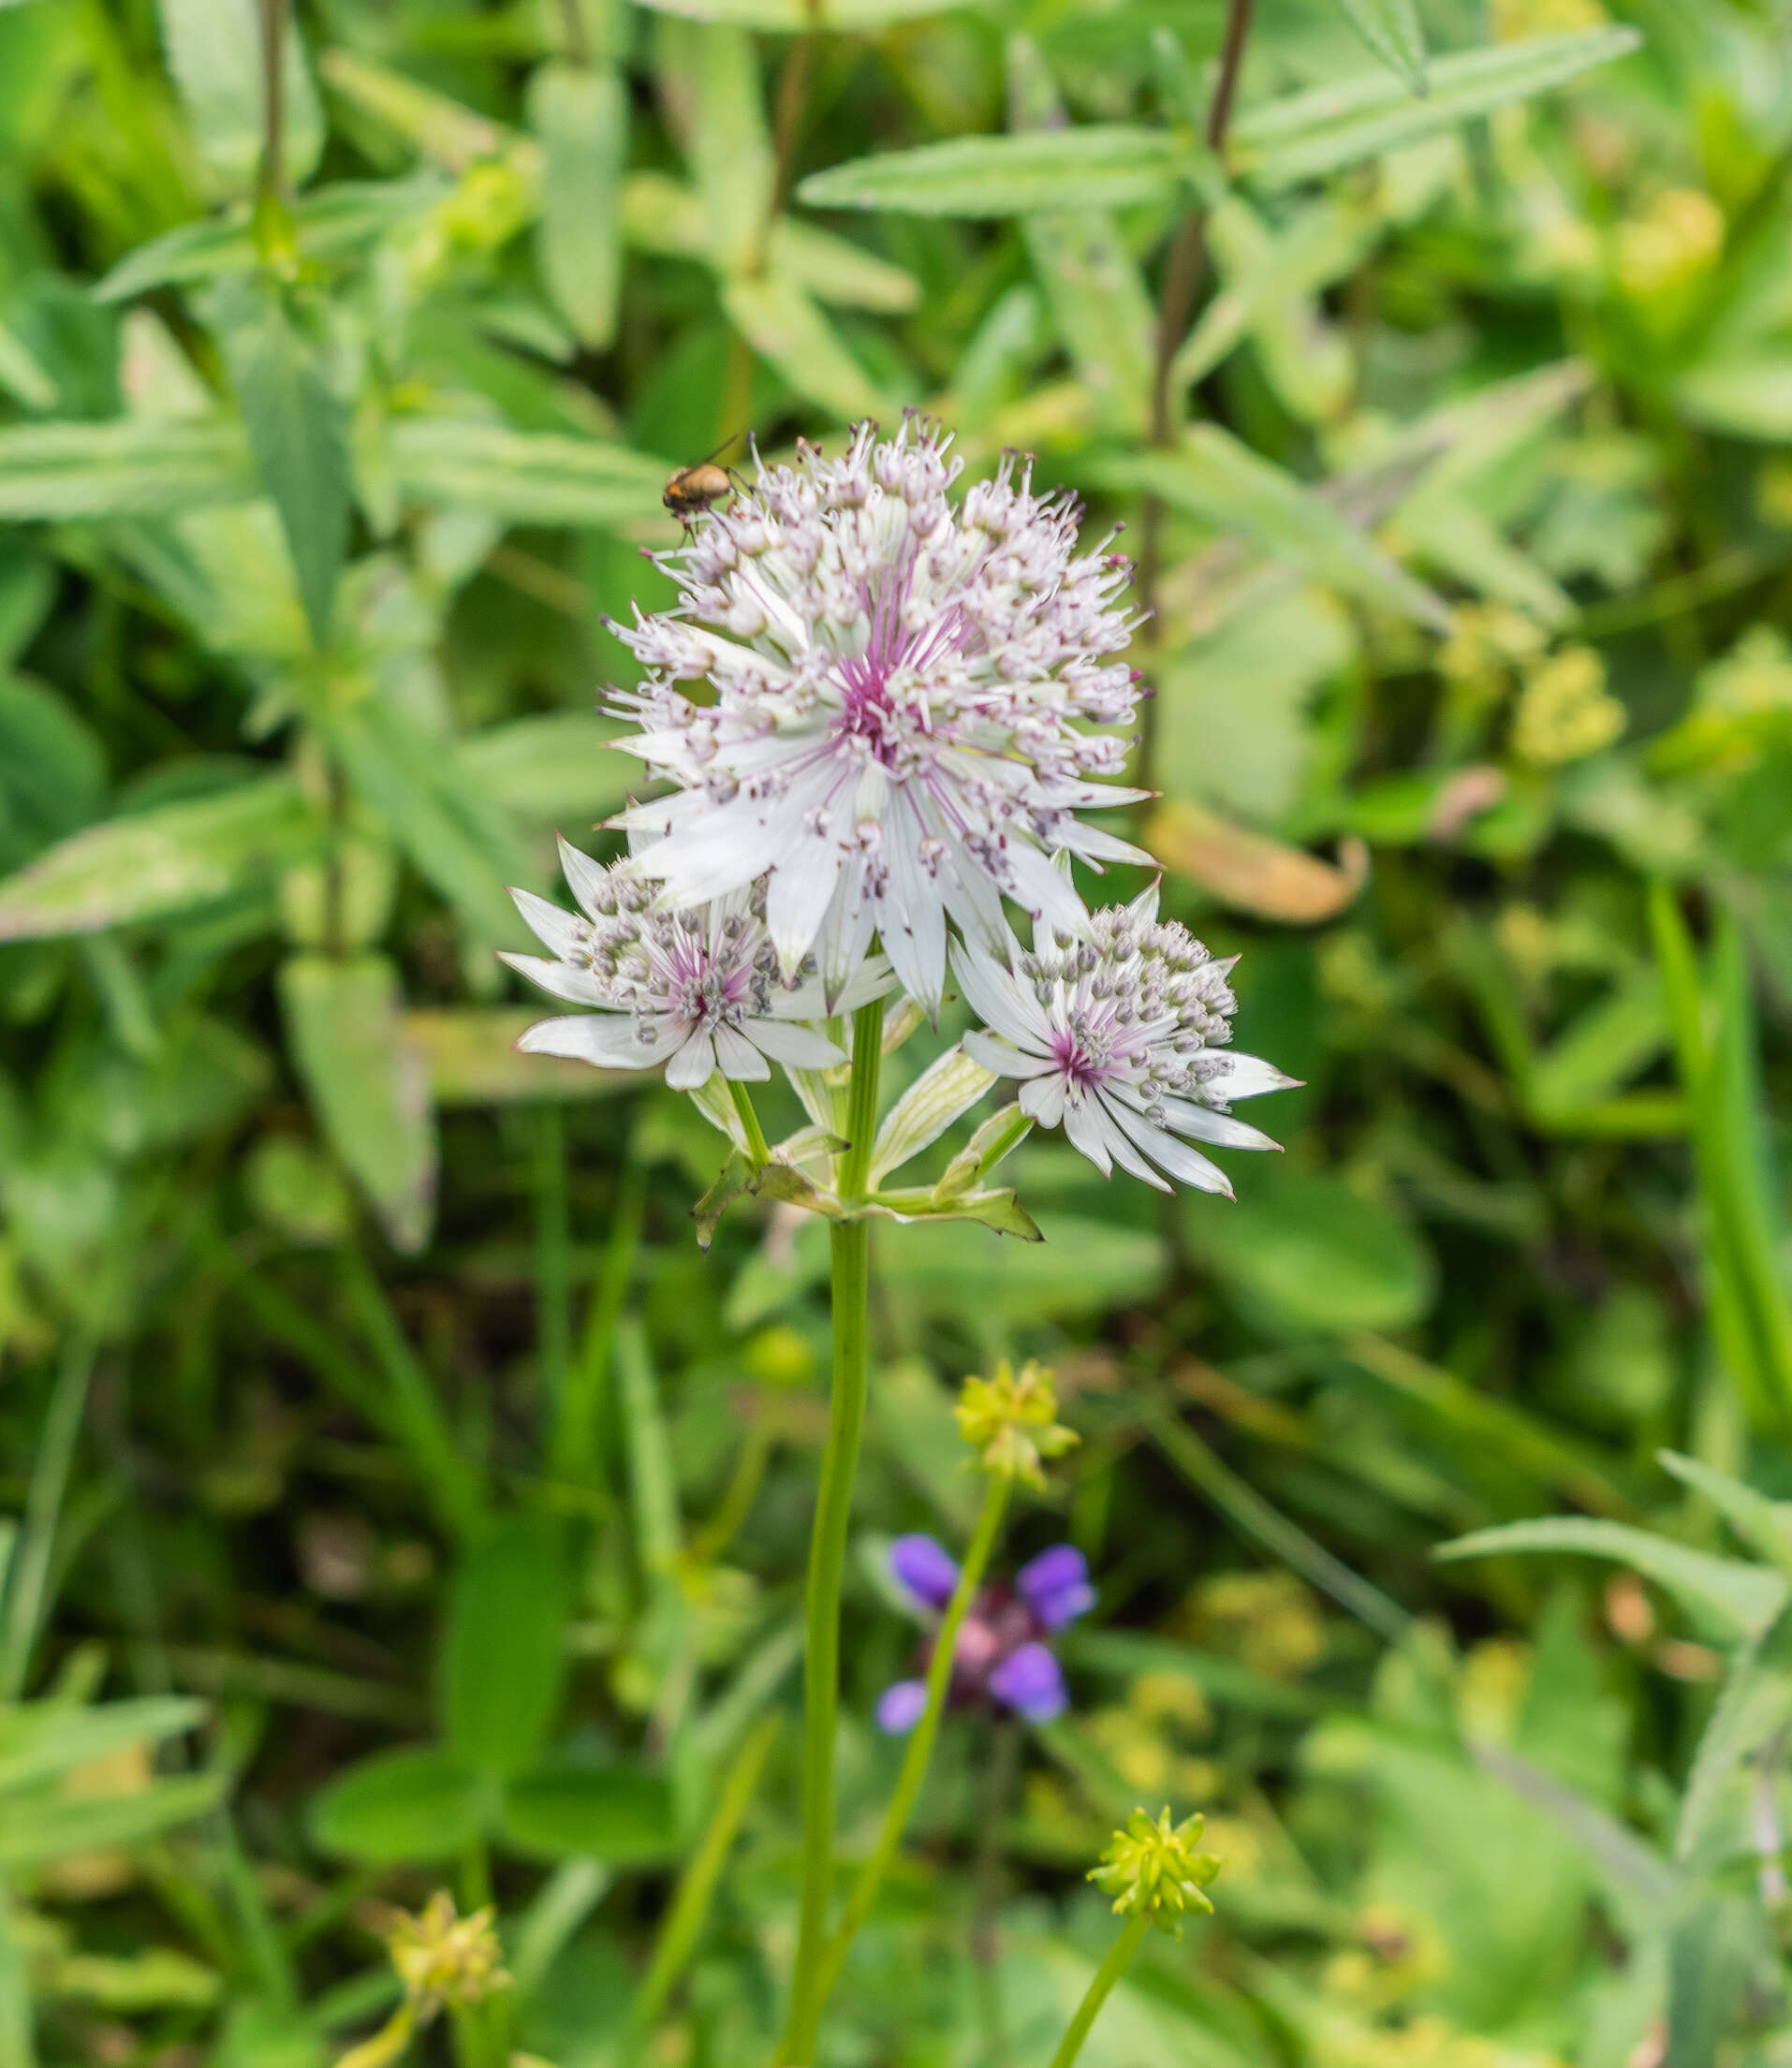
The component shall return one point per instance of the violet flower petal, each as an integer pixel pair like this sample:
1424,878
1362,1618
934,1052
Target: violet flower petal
901,1707
1031,1682
1055,1586
924,1569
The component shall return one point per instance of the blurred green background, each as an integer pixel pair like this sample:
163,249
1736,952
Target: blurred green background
397,1496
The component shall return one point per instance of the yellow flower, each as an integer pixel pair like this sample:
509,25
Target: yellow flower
444,1959
1151,1868
1565,712
1011,1421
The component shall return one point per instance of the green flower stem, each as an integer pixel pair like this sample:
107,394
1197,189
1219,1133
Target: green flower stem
851,1243
920,1744
1120,1957
757,1152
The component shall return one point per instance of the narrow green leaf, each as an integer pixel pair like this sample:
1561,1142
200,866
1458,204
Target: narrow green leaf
785,326
555,769
653,1481
1710,1955
1734,1602
801,17
1030,174
368,1088
1390,28
298,432
1752,1716
527,478
724,136
213,49
1610,1043
1764,1525
22,375
1216,477
35,1832
581,116
946,1088
41,1738
413,1803
152,864
458,838
1309,134
131,467
504,1655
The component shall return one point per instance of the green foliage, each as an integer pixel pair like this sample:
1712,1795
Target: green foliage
394,1495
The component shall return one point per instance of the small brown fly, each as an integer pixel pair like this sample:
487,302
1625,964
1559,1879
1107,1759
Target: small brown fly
690,491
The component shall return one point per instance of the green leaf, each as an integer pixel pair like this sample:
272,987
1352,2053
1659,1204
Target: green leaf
1752,1715
133,467
944,1091
458,837
213,49
367,1085
1747,394
1390,28
1033,172
152,864
333,224
802,17
581,114
41,1738
1306,134
725,138
1736,1603
652,1478
999,1210
52,771
1216,477
504,1656
22,375
1764,1525
38,1830
1606,1044
298,432
616,1814
786,326
413,1803
1307,1255
558,769
1710,1955
527,477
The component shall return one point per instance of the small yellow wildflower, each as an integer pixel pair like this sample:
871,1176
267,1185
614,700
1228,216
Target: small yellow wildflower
1565,712
445,1962
1151,1868
1011,1421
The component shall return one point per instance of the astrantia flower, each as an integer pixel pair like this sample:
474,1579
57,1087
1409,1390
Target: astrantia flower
1119,1037
901,689
1002,1657
698,991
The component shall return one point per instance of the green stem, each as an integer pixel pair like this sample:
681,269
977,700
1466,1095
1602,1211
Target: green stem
1120,1956
574,1449
920,1744
553,1259
758,1156
851,1243
690,1906
27,1576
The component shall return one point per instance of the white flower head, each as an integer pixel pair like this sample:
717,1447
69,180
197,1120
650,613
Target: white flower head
1119,1036
698,991
901,693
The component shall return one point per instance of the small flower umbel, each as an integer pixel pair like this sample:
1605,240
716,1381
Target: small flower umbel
698,991
445,1962
902,693
1151,1870
1010,1420
1121,1038
1156,1877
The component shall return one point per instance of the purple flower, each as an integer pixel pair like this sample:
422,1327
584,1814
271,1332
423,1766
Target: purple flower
1002,1658
1055,1586
925,1569
901,1707
1030,1681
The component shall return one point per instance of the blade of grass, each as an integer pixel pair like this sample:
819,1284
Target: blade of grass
1247,1510
696,1891
28,1570
553,1259
574,1448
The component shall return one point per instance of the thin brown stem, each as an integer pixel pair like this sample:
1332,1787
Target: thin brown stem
271,185
1184,271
